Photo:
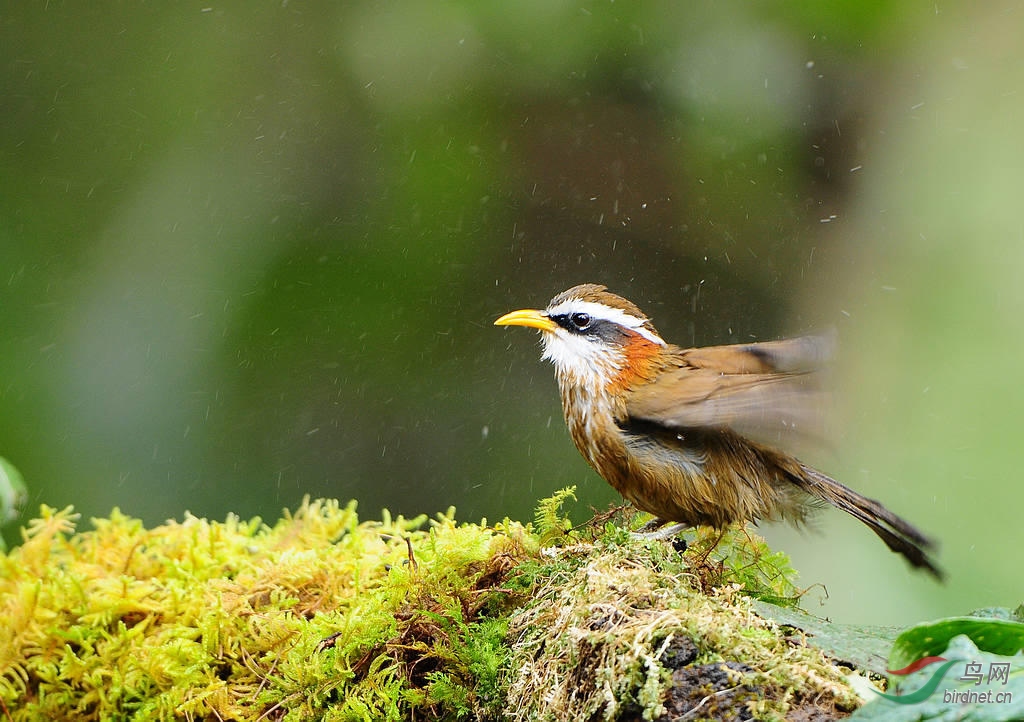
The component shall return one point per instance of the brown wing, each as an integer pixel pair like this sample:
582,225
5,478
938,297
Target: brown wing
792,355
771,391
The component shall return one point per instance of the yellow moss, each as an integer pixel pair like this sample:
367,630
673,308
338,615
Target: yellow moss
320,616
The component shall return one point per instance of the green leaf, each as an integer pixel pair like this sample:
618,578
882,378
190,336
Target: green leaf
13,492
13,495
864,647
957,695
998,636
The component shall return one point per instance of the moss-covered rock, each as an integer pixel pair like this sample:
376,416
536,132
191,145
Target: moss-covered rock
322,617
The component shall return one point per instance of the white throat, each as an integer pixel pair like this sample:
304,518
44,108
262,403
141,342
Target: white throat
579,360
583,359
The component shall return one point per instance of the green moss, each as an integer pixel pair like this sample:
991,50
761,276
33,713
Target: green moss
591,641
550,525
323,617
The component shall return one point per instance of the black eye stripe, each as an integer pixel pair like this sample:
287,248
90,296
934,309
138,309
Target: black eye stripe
565,320
598,327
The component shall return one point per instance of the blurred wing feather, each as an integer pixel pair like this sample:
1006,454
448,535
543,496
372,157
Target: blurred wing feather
793,355
768,391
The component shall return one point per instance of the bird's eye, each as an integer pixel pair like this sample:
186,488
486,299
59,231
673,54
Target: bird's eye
580,320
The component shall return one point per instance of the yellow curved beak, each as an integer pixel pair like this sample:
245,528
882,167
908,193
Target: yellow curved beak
527,317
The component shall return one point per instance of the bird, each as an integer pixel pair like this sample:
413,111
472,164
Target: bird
688,434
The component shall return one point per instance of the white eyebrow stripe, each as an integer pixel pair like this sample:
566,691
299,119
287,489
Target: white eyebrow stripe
605,313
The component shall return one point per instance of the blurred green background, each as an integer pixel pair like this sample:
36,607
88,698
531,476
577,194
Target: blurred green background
252,251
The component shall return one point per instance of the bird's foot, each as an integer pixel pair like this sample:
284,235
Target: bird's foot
659,529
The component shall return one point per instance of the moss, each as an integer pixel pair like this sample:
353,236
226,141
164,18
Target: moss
593,641
322,617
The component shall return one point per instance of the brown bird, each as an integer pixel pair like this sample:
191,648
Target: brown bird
671,428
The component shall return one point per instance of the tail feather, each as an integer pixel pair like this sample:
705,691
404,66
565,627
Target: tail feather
897,533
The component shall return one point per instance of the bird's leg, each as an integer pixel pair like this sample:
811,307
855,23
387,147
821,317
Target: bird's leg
657,529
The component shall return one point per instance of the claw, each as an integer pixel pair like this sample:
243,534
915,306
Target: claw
657,529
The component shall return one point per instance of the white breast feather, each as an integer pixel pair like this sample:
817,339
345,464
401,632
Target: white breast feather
578,360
